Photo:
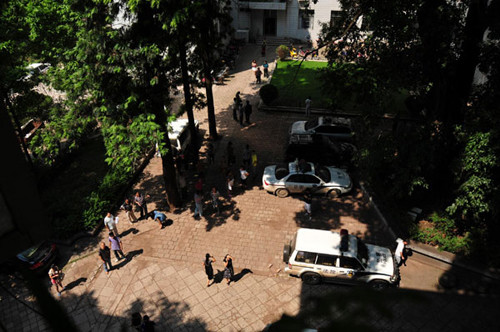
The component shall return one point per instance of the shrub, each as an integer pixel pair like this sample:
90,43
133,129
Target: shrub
282,51
268,93
432,236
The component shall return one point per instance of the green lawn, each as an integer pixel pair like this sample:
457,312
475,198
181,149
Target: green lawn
307,83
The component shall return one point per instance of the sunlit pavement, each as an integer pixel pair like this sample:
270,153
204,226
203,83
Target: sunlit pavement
164,277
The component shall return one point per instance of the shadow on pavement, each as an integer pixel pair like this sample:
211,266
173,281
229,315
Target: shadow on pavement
132,230
128,258
237,277
75,283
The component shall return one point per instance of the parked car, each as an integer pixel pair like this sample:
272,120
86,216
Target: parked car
300,177
325,151
319,255
179,134
304,132
38,257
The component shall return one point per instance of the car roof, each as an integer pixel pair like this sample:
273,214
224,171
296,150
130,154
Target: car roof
293,168
176,127
334,121
324,242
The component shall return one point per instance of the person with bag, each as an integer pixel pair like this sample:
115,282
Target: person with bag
105,256
56,277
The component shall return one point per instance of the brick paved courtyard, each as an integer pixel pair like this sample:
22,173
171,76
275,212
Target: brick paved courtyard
164,277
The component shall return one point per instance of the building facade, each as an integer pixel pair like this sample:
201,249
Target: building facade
299,19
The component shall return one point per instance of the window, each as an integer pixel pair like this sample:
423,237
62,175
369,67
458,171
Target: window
303,178
327,260
306,19
311,124
350,263
335,16
281,171
323,173
306,257
333,130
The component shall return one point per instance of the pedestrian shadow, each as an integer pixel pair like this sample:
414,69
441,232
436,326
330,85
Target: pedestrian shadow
128,258
218,276
166,223
132,230
75,283
240,275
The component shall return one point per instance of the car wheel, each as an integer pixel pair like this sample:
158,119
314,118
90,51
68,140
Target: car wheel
334,193
282,193
311,278
379,284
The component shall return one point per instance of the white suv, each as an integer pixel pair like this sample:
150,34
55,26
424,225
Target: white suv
179,134
316,255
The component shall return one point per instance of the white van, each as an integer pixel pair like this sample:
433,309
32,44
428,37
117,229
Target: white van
316,255
179,134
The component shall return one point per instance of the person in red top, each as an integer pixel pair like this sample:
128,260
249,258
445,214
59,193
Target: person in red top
55,278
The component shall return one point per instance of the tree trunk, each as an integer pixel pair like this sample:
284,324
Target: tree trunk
188,99
212,126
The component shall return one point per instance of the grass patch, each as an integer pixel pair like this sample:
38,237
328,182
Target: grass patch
294,92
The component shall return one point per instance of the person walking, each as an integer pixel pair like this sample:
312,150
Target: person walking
243,175
308,106
159,217
182,184
399,254
228,268
263,48
111,223
105,255
210,153
55,275
308,204
230,154
142,205
254,65
127,207
254,163
198,203
116,246
230,184
236,106
248,111
209,270
258,76
265,65
214,194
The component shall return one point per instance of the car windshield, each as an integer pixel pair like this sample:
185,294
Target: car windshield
311,124
30,252
281,171
323,173
362,251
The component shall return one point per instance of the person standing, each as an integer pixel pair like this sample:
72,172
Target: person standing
209,270
308,106
228,268
244,175
55,276
182,184
236,106
159,217
210,153
254,65
246,156
258,75
127,207
248,111
308,204
263,48
266,69
214,194
254,163
230,184
142,205
105,255
117,246
111,223
399,254
198,203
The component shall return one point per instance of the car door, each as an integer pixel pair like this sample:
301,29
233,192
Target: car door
294,183
327,265
348,270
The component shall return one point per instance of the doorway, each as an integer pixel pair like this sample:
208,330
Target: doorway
270,21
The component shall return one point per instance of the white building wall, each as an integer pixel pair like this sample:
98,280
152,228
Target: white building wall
257,24
281,24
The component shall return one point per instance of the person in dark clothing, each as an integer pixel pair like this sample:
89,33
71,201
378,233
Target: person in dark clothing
228,270
230,154
258,76
248,111
210,153
105,255
147,325
209,270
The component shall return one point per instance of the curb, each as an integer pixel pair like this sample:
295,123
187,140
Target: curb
418,247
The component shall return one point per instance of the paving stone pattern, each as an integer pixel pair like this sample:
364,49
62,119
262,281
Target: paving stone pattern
164,277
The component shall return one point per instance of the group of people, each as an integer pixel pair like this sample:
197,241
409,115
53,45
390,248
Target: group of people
241,112
209,270
258,73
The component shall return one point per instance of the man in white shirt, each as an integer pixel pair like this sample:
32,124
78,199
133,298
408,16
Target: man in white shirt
111,223
308,106
399,253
